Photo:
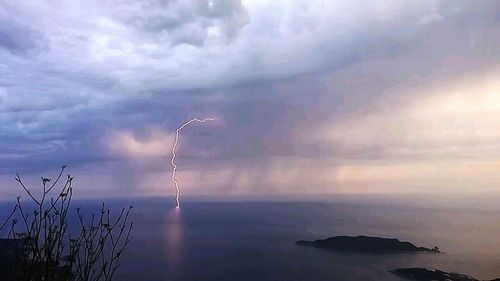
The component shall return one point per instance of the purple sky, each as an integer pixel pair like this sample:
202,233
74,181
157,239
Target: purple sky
311,96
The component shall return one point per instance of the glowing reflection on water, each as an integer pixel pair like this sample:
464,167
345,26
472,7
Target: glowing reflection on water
174,236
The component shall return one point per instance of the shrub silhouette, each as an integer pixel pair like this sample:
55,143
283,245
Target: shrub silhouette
37,244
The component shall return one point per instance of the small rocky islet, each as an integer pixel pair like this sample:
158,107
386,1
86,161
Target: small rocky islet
429,274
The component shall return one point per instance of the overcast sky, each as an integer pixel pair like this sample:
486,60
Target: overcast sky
310,96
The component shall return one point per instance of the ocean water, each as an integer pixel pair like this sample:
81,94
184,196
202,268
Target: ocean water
211,241
255,240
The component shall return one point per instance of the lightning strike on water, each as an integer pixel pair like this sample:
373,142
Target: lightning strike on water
172,161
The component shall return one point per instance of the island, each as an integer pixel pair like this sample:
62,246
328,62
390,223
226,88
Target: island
366,244
428,274
11,250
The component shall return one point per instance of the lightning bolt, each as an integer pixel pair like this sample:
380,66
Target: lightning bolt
172,161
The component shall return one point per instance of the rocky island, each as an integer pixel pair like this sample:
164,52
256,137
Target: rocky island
427,274
11,250
366,244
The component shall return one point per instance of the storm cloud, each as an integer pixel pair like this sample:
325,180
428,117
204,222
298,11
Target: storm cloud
311,96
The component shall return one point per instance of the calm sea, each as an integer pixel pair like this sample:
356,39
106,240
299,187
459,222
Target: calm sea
254,241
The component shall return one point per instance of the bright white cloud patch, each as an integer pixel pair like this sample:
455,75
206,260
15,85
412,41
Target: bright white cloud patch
453,120
125,144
